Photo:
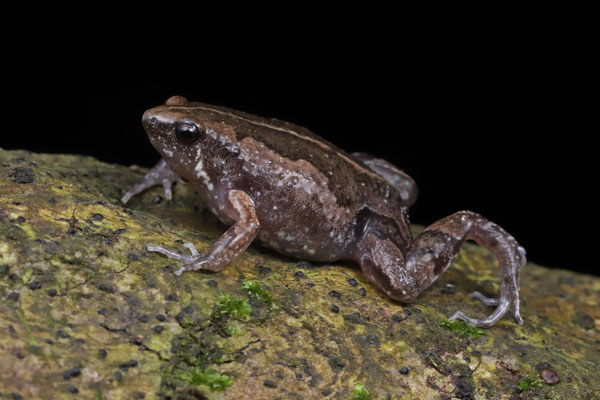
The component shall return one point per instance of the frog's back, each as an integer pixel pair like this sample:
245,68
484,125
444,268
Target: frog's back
352,183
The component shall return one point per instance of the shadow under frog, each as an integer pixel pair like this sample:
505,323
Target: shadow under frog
302,196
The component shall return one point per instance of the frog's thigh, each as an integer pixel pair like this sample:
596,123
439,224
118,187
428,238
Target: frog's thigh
235,240
403,183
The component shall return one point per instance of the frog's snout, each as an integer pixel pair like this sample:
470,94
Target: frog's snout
148,120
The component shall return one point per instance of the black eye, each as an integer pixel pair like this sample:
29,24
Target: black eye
187,132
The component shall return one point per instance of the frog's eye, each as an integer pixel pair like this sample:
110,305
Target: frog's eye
187,132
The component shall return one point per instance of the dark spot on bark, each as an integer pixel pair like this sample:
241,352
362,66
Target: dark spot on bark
128,364
106,287
362,291
337,364
269,383
52,292
161,317
52,200
212,283
157,199
16,396
159,328
335,309
262,271
35,285
49,341
353,282
299,275
397,318
304,265
59,187
139,395
133,257
372,339
168,269
72,231
71,373
179,241
22,175
120,231
354,318
21,219
72,389
118,376
98,217
102,353
404,371
14,296
407,312
61,333
335,294
447,291
172,297
103,311
13,277
4,269
292,331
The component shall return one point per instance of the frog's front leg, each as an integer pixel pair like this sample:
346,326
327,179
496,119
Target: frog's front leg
160,174
233,242
404,275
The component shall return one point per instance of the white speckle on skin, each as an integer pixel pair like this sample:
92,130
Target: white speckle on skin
169,153
200,173
311,251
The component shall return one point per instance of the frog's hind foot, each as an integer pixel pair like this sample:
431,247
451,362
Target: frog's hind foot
492,319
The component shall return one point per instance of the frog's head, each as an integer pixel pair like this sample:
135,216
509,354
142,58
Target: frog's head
185,132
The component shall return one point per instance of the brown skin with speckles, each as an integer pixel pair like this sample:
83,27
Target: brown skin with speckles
302,196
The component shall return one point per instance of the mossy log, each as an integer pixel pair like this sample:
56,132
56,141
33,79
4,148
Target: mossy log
86,309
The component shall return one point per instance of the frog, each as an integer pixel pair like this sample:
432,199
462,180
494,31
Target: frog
298,194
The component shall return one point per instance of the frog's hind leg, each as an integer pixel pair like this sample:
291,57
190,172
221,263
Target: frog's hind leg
404,184
160,174
232,243
405,275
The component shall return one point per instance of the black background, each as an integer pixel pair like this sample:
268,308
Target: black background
487,109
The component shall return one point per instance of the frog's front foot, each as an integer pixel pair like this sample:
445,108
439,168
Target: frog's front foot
160,174
231,244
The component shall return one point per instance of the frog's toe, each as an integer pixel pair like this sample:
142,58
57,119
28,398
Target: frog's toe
173,255
484,299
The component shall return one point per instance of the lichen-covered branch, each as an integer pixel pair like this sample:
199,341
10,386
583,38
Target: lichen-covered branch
87,309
